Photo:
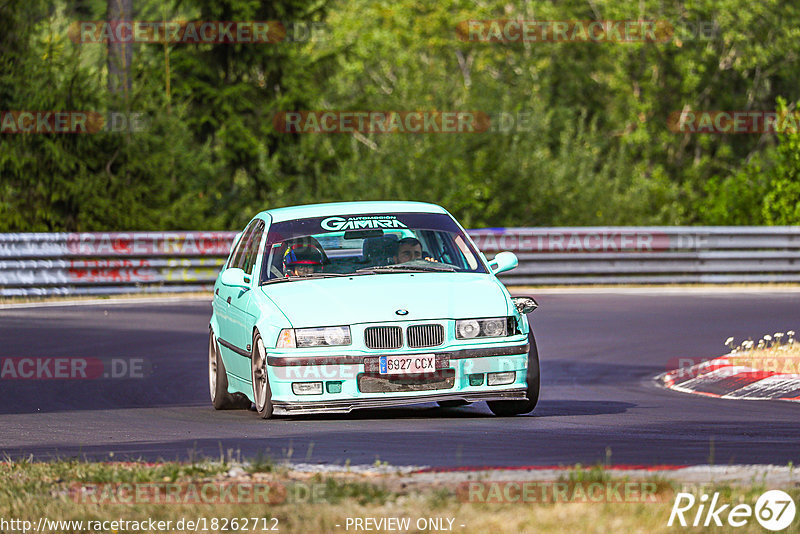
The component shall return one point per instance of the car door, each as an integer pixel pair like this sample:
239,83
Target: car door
241,318
240,300
230,327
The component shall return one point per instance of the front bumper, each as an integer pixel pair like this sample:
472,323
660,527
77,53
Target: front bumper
351,372
348,405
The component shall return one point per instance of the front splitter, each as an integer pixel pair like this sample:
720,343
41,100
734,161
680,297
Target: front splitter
348,405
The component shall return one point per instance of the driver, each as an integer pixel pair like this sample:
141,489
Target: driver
407,249
302,260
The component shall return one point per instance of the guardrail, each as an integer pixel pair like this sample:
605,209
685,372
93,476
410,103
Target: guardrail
124,262
648,255
109,263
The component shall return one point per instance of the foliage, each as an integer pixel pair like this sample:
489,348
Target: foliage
593,147
782,201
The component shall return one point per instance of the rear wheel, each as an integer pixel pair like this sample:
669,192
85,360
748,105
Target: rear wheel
262,395
217,376
518,407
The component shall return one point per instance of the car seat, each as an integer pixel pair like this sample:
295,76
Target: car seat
379,250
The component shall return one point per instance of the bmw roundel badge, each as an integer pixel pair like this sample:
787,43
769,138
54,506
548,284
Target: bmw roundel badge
402,312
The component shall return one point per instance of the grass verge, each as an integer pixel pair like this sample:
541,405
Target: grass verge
269,496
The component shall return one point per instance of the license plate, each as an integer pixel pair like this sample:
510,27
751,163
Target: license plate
401,365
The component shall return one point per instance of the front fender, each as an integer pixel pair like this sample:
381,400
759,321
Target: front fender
269,318
213,323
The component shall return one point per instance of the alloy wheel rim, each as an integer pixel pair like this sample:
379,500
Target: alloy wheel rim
260,375
212,367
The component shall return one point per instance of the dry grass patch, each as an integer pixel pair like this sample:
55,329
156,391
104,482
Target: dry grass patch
314,502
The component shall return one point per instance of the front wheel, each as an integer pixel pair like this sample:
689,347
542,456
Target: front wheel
518,407
262,395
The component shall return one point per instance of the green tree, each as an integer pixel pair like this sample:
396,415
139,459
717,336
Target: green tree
782,201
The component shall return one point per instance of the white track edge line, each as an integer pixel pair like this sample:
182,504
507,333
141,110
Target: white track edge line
102,302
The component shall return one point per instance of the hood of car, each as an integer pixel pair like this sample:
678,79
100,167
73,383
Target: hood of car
379,297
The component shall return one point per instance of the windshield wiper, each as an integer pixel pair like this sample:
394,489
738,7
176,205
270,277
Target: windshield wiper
405,268
308,277
276,280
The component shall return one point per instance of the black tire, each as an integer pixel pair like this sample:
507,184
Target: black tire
262,394
452,403
217,376
509,408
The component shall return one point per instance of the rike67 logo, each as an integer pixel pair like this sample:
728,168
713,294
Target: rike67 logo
774,510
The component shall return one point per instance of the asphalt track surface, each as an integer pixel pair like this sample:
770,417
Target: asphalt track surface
599,353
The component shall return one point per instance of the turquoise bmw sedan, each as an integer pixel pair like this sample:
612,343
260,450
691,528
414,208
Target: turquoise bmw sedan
331,307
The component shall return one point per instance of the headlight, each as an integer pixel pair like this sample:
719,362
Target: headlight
330,336
472,328
468,329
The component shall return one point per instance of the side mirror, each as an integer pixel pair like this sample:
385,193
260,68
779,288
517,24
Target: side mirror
235,277
504,261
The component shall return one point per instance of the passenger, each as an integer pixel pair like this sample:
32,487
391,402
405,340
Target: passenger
302,260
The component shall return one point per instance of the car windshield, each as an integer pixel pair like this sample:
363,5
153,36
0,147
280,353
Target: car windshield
367,244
